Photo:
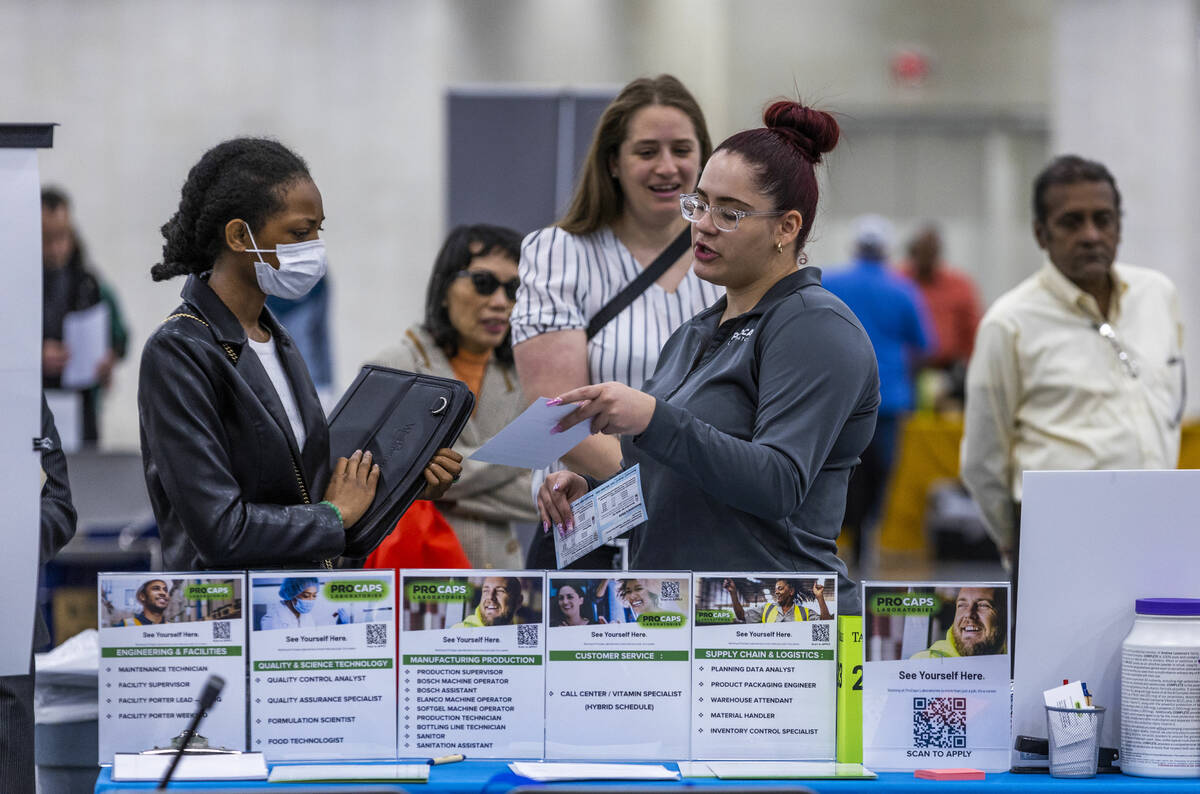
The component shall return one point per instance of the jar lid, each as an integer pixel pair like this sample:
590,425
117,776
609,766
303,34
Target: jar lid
1168,606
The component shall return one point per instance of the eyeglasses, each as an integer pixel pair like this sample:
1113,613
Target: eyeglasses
724,218
1105,330
486,283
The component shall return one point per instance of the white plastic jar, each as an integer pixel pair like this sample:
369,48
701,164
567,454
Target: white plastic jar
1160,689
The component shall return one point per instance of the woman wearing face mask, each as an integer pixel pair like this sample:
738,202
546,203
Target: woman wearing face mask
234,441
465,336
294,609
648,148
761,404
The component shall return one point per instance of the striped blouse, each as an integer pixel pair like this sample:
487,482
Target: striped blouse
566,280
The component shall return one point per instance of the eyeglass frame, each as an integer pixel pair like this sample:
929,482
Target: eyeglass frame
471,274
1106,330
708,209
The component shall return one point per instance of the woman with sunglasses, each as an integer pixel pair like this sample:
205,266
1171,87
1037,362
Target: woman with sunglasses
761,405
465,336
648,148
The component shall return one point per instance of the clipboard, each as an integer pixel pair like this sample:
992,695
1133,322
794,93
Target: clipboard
403,418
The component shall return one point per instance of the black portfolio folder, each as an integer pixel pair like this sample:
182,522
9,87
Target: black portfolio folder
403,418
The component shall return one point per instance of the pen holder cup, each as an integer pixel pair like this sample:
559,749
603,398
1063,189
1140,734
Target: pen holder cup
1074,740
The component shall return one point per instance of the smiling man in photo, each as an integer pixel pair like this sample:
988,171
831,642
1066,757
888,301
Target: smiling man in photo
153,596
500,598
979,627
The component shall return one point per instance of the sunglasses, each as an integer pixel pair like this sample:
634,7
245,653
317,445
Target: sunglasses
486,283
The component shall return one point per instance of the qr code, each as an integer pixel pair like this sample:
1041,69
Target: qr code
940,722
527,635
221,630
377,634
670,591
820,632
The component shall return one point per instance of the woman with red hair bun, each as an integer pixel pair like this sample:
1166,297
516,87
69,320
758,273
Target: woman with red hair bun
760,405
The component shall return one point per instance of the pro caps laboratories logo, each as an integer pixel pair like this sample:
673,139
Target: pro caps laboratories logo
437,590
208,591
356,590
905,604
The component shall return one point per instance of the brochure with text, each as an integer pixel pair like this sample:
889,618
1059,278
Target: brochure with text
323,665
936,687
764,676
617,676
161,636
473,647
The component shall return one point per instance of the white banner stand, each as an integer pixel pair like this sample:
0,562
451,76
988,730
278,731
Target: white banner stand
20,384
1091,543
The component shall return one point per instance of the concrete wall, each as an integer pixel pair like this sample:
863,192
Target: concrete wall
142,88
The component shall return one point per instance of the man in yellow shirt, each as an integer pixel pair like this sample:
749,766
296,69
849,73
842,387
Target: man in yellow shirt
784,609
153,595
500,598
979,627
1080,366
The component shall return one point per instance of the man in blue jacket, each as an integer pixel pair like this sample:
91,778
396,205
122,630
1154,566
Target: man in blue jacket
896,319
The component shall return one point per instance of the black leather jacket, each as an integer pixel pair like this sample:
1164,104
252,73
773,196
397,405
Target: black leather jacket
218,449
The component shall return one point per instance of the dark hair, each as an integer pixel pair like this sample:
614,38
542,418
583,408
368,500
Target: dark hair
598,200
240,178
783,155
463,244
1070,169
53,198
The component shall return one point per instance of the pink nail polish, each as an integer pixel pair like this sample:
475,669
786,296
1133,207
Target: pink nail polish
554,487
555,429
555,401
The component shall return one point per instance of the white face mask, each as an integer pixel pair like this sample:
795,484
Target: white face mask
301,266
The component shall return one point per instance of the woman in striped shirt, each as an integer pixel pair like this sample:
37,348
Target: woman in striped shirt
647,149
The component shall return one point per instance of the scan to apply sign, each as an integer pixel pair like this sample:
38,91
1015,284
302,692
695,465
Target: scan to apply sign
161,636
323,665
936,690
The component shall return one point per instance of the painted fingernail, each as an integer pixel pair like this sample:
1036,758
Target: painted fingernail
555,401
555,429
559,527
571,526
554,487
545,526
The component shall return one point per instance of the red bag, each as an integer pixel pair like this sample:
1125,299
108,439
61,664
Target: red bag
422,538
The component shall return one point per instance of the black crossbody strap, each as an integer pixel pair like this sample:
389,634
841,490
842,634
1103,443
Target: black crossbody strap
639,284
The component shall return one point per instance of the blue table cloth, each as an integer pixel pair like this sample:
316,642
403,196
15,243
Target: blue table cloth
494,777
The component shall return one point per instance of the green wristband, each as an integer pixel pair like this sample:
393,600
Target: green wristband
335,509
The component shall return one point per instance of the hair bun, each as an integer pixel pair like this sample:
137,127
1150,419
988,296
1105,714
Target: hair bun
812,131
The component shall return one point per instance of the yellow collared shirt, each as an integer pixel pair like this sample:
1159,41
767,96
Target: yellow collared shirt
1046,390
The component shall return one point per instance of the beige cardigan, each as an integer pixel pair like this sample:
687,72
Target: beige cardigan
486,492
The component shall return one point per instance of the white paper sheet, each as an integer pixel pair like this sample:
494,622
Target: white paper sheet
85,335
527,442
320,773
220,766
785,770
547,772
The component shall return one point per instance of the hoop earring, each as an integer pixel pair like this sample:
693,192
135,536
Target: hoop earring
802,259
778,247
